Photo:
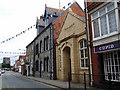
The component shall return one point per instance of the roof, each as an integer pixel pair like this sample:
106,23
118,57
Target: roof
53,11
22,56
92,5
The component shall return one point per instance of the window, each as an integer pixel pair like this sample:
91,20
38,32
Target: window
37,65
112,65
36,49
112,22
44,44
96,28
47,40
83,54
46,64
40,46
104,21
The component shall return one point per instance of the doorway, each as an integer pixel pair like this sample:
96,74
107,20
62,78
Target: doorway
66,63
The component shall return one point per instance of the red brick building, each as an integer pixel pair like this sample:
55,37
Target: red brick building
103,20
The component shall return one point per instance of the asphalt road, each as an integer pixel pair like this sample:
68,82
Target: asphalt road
12,82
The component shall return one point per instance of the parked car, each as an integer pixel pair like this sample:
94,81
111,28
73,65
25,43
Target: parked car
2,71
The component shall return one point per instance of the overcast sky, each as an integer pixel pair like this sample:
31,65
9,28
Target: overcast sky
18,15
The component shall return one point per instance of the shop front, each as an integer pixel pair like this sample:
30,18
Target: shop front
109,59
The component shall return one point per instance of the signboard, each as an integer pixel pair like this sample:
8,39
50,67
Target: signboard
110,46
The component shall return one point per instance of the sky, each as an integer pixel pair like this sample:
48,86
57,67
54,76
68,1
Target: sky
19,15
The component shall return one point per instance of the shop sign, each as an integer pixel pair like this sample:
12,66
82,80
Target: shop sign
106,47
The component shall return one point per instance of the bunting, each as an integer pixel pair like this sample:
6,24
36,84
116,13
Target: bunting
23,32
12,52
68,5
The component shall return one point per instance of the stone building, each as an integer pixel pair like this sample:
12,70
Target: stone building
29,58
43,45
71,49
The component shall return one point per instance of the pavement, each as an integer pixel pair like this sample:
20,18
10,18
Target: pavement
58,83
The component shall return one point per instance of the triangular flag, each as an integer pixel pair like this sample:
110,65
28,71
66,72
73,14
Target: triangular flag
69,3
64,7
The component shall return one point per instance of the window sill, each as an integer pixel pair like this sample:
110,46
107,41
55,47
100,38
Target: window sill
105,36
84,68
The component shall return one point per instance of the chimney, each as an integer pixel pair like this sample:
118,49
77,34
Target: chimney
45,5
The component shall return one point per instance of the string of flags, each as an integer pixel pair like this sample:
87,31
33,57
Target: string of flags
23,32
12,52
68,5
54,15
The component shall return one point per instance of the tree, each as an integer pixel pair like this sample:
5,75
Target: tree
5,65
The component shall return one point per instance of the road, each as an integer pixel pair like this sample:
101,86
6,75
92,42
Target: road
10,80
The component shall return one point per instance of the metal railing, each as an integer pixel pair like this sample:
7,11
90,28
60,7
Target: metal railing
84,81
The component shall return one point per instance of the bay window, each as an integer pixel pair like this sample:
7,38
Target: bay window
104,21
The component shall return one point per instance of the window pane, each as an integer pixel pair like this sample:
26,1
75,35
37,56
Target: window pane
110,7
85,43
86,62
96,28
82,54
82,62
102,11
95,15
86,53
112,22
103,24
81,44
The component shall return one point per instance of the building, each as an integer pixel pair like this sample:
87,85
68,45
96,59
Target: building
22,59
29,58
43,45
76,10
104,34
18,66
71,48
6,60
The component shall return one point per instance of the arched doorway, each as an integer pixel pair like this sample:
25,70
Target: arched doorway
66,63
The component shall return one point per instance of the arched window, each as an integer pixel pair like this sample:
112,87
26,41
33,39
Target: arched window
40,46
37,65
46,64
47,44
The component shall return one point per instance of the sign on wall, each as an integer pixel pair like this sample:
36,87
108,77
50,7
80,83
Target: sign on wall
110,46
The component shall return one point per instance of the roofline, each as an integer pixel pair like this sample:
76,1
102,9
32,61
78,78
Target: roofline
67,9
42,32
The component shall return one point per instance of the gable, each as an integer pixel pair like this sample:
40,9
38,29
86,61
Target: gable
73,25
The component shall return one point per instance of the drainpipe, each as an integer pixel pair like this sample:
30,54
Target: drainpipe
88,44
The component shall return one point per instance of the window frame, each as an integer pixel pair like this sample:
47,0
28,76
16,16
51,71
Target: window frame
84,54
110,65
106,14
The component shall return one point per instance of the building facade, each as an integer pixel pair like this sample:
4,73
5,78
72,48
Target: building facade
43,46
71,48
29,58
22,59
104,27
6,60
